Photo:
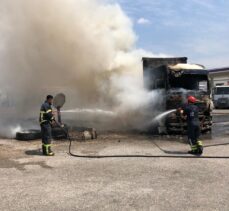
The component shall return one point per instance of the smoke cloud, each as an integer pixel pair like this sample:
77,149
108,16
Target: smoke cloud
83,48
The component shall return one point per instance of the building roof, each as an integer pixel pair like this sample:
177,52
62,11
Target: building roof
219,70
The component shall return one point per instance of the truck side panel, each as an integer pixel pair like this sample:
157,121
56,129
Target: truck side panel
155,71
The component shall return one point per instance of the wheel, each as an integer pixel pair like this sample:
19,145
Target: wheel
28,135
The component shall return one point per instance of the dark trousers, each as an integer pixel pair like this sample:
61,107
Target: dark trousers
46,134
193,133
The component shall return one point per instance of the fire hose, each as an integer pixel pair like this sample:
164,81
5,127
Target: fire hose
142,156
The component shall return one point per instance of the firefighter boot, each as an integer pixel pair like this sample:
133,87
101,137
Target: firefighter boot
51,153
43,149
200,147
46,148
194,150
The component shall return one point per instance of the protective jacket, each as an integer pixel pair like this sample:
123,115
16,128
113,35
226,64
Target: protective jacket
46,115
192,112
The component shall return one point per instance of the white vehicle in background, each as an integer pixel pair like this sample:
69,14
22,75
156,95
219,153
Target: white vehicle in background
221,97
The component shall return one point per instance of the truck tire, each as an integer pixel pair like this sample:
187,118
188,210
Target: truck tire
28,135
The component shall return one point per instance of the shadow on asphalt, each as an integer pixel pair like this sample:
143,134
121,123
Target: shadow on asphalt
36,152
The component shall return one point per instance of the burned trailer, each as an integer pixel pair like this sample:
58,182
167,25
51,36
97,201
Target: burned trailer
177,80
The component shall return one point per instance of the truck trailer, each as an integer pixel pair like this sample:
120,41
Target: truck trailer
175,80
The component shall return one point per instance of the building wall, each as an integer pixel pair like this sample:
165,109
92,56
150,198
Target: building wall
220,78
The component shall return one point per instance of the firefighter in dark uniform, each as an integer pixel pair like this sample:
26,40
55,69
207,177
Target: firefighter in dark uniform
46,120
191,113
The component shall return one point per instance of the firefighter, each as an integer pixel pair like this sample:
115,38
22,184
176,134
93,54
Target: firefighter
191,114
47,119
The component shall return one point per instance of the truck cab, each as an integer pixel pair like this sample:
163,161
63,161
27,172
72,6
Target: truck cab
177,80
221,97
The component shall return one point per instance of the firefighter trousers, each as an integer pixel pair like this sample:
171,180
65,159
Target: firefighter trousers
46,133
193,134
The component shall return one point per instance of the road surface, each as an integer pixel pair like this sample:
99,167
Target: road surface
30,181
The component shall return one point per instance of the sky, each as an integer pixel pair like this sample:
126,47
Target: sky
198,29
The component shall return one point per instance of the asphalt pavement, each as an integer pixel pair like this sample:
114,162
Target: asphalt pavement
30,181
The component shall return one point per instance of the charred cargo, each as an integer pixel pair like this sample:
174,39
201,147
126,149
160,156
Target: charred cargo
177,80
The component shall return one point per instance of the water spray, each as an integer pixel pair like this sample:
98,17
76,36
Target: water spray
90,111
163,115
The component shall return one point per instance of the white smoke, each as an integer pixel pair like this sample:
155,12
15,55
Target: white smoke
84,48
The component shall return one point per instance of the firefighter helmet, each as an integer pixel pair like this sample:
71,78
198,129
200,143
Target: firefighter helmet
192,99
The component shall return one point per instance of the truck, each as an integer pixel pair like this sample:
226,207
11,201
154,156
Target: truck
221,97
175,80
